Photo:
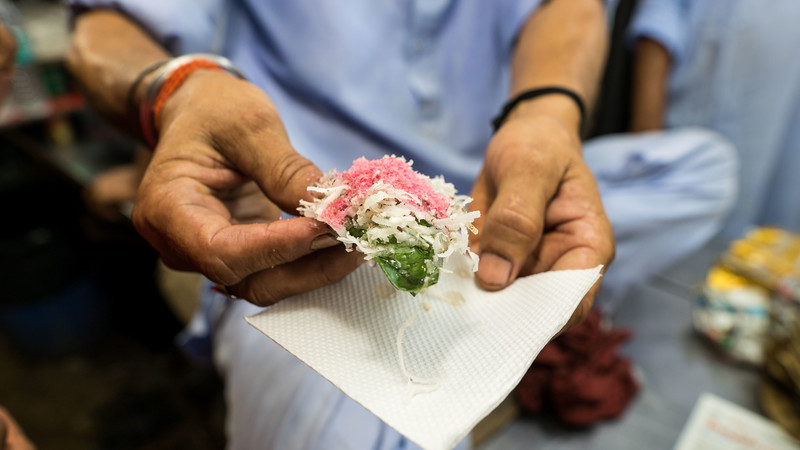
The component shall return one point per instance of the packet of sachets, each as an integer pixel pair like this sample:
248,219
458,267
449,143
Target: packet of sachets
405,221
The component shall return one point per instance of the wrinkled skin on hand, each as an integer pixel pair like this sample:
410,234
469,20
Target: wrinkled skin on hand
542,209
211,196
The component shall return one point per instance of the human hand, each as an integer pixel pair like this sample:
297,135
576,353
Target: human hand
208,199
542,210
11,435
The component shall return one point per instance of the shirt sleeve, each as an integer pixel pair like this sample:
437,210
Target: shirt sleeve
181,26
664,21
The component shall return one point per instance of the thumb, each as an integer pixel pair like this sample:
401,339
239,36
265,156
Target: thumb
511,231
280,172
259,147
284,176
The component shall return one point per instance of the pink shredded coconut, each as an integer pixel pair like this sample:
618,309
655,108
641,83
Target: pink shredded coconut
334,215
394,171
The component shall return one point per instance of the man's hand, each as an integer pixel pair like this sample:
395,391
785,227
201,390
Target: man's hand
541,204
542,210
207,201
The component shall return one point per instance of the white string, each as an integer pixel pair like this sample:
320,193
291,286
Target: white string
415,385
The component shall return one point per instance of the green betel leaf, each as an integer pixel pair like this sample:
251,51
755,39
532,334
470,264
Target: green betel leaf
356,232
409,269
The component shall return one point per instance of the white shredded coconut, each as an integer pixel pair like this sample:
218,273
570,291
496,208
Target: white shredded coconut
386,212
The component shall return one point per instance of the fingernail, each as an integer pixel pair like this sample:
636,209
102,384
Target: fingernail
323,241
494,269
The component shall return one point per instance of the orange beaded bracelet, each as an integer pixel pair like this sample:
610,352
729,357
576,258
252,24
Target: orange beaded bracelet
174,80
167,80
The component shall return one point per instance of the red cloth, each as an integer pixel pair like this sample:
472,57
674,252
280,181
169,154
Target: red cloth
580,375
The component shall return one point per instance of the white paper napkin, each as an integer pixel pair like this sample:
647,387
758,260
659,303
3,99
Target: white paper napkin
430,366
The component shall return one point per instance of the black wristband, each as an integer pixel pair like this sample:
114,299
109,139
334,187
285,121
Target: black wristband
132,108
537,92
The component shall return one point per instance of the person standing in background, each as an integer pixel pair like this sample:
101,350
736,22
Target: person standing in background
729,66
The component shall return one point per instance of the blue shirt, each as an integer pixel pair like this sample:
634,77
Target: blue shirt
736,71
418,78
